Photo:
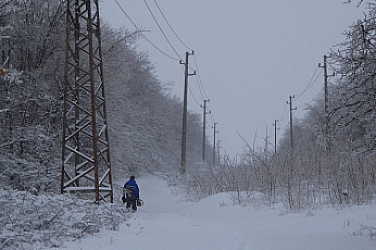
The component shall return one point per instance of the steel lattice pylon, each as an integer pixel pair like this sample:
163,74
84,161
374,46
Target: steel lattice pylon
86,165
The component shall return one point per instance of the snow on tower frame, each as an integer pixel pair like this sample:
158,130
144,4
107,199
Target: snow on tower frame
86,165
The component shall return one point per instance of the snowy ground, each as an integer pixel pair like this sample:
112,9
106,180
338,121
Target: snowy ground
167,223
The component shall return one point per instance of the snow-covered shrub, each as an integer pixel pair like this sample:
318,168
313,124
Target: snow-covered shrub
28,221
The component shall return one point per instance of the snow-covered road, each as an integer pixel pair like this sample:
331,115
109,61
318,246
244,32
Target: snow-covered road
167,223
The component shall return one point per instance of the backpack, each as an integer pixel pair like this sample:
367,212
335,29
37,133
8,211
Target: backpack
130,193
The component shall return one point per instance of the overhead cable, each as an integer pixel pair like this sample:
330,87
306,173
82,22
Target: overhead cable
193,96
143,35
169,25
203,94
284,115
160,28
310,83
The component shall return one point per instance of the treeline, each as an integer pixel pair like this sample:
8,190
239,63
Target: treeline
144,119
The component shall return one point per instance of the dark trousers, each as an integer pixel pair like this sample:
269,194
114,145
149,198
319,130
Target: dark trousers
133,204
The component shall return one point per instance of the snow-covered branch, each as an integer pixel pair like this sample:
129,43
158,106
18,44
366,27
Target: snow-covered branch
10,75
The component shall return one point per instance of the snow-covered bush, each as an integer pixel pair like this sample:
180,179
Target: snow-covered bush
28,221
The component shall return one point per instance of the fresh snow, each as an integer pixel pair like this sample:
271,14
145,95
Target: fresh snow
168,222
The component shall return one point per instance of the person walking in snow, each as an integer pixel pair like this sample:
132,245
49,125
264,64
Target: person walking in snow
131,194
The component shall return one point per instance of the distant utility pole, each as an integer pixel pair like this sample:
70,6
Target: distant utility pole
184,131
325,83
275,135
326,94
291,127
215,131
204,129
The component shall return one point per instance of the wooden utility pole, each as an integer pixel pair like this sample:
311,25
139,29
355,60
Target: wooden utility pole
215,131
291,126
326,103
204,129
291,167
325,83
86,165
185,114
275,135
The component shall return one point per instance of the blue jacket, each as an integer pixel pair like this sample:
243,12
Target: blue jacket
133,183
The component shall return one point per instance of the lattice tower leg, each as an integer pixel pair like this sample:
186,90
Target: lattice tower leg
86,165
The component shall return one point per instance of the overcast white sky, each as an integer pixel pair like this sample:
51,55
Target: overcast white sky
250,55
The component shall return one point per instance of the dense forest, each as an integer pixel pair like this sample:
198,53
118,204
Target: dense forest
145,121
332,161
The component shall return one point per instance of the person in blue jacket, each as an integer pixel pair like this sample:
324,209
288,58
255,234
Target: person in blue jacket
132,194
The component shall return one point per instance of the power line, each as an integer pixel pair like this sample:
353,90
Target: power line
310,84
199,88
211,113
203,94
193,96
284,114
200,85
129,18
312,100
169,25
143,35
160,28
